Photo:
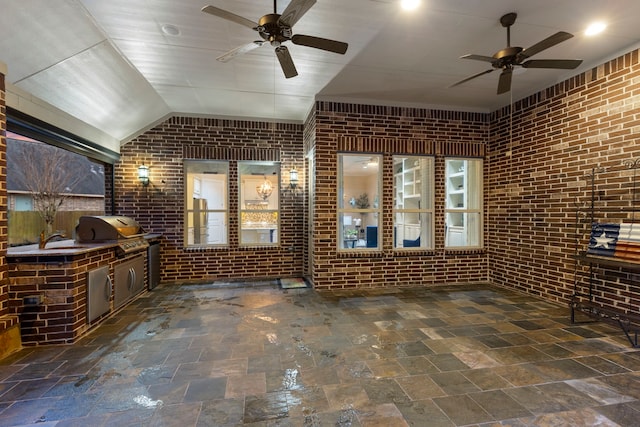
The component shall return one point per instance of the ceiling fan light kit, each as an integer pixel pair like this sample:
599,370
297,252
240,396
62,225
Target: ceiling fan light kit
276,29
514,56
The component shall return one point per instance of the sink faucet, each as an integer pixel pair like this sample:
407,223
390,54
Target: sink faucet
43,241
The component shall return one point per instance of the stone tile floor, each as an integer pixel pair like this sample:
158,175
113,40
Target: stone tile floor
215,355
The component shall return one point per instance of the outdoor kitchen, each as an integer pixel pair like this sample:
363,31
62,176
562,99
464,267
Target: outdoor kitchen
61,289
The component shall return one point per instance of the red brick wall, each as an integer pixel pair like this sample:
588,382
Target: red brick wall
309,147
4,286
61,283
534,169
159,207
108,189
537,172
390,130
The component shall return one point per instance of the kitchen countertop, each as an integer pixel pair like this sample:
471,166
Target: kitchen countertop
66,247
57,248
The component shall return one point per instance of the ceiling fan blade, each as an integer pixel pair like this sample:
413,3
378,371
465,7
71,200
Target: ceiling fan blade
294,12
320,43
478,57
288,68
220,13
504,84
472,77
563,64
550,41
240,50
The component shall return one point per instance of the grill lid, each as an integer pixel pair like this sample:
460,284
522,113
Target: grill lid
107,228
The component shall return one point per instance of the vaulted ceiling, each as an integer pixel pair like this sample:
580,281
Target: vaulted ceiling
123,65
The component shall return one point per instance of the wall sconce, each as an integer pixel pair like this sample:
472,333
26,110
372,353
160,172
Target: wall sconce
293,178
143,175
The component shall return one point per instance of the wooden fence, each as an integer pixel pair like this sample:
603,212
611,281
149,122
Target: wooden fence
25,226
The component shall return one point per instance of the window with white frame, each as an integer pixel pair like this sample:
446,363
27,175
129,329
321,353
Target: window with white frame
463,202
413,220
259,201
206,202
359,207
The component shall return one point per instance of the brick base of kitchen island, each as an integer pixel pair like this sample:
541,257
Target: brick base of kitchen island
10,340
48,293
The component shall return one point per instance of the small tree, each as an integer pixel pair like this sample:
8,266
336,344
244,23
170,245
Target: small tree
49,174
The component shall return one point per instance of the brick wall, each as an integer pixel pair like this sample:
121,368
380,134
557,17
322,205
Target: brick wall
60,282
4,287
309,141
390,130
535,165
538,174
108,189
159,207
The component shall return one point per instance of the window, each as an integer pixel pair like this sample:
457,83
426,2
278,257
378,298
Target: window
463,203
49,188
359,208
22,203
206,193
413,202
259,203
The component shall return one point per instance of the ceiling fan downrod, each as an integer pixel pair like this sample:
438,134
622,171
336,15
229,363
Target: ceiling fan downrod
507,21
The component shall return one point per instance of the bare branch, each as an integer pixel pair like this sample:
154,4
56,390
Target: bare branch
48,173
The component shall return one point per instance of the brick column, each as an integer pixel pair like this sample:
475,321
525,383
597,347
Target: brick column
4,291
10,340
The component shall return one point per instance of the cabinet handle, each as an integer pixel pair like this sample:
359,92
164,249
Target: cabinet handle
108,286
132,275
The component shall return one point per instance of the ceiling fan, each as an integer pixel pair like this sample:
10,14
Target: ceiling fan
276,29
512,56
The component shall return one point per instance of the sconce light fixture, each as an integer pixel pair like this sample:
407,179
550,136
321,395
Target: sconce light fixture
265,189
143,175
293,178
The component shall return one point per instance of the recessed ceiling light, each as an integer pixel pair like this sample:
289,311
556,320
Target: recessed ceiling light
595,28
170,30
410,4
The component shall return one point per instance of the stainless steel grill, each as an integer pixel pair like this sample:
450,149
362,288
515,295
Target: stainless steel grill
124,231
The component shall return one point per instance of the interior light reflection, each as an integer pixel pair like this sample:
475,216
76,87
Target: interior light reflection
409,4
595,28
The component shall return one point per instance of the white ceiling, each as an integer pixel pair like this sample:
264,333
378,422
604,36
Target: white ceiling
109,64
